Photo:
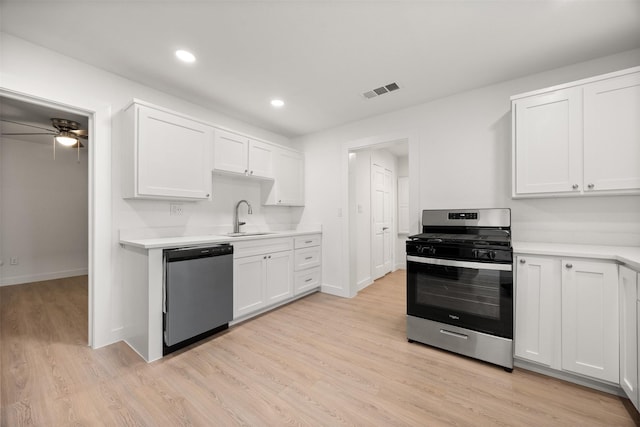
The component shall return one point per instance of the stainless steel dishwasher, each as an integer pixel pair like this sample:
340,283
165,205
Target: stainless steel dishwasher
198,294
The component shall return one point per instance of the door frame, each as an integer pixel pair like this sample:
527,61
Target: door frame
99,208
348,229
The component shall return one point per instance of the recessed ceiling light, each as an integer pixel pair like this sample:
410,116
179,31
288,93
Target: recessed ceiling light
277,103
185,56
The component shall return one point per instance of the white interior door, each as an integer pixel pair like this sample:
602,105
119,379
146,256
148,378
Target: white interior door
381,181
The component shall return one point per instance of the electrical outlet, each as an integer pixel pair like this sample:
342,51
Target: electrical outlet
13,260
175,209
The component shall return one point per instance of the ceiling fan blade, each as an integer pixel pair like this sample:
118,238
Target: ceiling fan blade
25,124
22,133
82,133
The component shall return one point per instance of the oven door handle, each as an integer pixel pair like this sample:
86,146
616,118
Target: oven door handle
462,264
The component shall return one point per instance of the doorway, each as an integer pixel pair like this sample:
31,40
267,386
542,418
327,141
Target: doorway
376,248
44,197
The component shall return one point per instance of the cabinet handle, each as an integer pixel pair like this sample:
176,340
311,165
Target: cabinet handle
251,173
569,265
279,201
309,257
269,256
522,260
208,195
309,279
574,186
264,257
308,241
246,170
590,186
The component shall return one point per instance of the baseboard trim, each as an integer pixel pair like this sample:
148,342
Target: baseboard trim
18,280
572,378
364,283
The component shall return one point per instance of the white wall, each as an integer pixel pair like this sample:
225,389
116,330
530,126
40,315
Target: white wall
362,198
460,156
44,212
401,239
31,70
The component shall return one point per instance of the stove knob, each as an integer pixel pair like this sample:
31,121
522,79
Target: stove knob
492,255
432,250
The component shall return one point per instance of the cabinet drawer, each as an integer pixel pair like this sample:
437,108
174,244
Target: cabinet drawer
307,258
306,280
307,241
261,246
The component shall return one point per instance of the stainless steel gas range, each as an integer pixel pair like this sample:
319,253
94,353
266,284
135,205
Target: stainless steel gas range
460,283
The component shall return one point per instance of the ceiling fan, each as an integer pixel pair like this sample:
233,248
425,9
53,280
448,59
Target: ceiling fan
65,132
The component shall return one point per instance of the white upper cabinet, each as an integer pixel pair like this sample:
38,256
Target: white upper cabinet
287,189
238,154
582,138
612,134
549,142
165,155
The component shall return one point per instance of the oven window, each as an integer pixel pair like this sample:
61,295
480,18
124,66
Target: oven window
460,289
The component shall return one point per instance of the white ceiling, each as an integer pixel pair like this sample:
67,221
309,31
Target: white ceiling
320,56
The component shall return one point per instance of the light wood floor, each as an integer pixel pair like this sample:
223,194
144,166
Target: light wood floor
321,361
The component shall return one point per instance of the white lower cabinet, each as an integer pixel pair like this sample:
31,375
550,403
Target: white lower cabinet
629,322
537,309
261,280
308,251
279,280
590,342
248,285
567,315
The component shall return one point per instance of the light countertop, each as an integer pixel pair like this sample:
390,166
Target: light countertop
629,255
205,239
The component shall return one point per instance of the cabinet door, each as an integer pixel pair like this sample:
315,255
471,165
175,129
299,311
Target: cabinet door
279,276
173,155
590,342
538,291
260,159
290,178
230,152
628,333
548,143
248,285
612,134
287,189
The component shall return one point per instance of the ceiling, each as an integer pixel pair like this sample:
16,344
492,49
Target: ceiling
321,56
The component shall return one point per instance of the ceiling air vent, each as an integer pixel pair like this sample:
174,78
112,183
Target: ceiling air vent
381,90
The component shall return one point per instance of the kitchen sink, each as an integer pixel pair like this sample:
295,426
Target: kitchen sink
243,234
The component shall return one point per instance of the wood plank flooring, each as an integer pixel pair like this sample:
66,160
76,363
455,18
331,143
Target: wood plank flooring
320,361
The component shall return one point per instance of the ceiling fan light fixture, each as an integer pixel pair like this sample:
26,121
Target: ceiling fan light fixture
66,138
185,56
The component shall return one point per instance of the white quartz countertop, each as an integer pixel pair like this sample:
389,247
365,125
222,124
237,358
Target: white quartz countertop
197,240
629,255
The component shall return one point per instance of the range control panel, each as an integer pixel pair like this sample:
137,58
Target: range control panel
463,215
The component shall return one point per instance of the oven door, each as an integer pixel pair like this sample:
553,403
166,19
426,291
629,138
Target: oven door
472,295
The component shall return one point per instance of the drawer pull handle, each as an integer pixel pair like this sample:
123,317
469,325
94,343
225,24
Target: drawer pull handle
454,334
522,260
308,280
309,257
569,265
308,241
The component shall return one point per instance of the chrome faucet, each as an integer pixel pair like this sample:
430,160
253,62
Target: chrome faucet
236,218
